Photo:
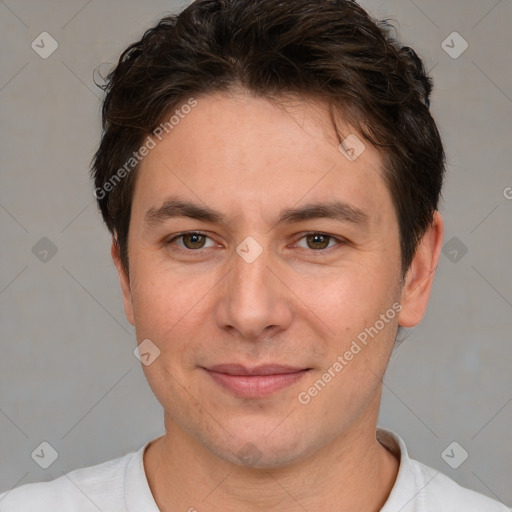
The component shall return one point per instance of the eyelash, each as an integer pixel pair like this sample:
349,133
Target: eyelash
331,237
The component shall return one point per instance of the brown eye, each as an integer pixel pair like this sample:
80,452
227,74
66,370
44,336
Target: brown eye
319,241
191,241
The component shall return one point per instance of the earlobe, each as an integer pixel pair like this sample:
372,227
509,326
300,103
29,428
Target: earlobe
124,282
420,276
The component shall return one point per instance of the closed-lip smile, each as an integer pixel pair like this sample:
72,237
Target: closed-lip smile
255,382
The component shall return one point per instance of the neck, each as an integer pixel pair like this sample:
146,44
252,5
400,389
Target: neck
354,472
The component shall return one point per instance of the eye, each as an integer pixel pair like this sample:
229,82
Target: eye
196,241
191,241
319,241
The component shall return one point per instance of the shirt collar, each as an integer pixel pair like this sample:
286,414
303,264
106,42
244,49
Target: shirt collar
137,493
407,486
408,492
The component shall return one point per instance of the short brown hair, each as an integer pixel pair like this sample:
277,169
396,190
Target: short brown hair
329,49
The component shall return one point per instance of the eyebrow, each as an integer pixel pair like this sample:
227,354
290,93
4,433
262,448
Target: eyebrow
336,210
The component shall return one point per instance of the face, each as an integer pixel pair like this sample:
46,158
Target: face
255,241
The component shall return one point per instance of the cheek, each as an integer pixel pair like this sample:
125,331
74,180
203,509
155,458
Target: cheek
161,298
358,308
362,336
172,310
348,299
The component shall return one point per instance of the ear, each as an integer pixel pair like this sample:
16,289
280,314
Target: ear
124,280
420,276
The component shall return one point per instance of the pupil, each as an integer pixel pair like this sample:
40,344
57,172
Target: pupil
319,239
194,239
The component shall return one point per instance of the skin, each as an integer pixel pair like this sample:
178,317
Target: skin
299,303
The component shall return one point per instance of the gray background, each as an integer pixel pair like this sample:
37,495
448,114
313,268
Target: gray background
68,375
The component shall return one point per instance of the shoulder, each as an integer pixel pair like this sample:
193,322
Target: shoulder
86,489
420,488
441,493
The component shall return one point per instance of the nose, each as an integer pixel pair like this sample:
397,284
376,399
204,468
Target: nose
254,301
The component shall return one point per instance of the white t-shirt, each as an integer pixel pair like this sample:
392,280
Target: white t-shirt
120,485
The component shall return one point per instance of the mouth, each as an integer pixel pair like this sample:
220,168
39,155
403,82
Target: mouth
255,382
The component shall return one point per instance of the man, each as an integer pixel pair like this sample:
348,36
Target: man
270,174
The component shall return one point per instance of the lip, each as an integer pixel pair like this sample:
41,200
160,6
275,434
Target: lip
264,369
255,382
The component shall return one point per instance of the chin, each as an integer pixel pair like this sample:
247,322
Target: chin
262,447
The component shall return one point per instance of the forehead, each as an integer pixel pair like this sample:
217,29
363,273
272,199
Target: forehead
237,152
